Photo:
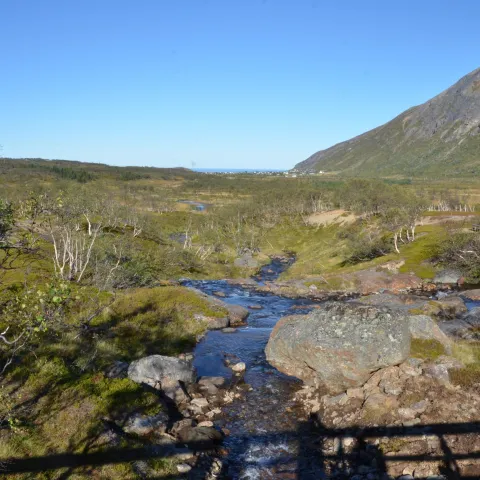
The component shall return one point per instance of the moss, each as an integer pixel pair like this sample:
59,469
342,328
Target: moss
160,320
426,349
469,354
393,445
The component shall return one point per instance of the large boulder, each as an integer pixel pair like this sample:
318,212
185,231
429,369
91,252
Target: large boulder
339,346
163,373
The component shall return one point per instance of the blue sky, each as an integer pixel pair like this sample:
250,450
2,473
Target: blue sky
222,83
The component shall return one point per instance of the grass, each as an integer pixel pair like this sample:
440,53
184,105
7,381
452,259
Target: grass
469,354
155,321
426,349
320,254
59,399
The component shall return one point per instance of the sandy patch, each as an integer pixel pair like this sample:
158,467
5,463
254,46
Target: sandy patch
339,217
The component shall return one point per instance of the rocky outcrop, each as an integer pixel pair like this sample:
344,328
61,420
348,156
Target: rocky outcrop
408,397
168,374
339,346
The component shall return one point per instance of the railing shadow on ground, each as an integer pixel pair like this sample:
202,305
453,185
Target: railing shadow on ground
310,460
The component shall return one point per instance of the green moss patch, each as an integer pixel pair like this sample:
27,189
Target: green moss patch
426,349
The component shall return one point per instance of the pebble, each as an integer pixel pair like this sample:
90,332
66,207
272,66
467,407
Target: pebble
206,423
200,402
183,468
239,367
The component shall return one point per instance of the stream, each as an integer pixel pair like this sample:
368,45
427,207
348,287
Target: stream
269,436
264,424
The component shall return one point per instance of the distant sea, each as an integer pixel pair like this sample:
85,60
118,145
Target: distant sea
235,170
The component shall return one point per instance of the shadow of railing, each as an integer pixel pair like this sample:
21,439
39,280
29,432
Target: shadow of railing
311,460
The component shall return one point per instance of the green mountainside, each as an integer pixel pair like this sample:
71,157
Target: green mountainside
439,137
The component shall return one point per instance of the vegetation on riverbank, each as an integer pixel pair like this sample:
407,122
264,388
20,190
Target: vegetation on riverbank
90,256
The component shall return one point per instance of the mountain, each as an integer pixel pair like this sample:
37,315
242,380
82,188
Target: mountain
439,137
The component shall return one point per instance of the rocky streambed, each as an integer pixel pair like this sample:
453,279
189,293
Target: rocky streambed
354,358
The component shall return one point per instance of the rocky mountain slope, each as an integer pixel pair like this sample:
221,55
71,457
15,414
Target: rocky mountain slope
441,136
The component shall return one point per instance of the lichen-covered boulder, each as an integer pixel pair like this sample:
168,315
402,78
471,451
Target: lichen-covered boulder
339,346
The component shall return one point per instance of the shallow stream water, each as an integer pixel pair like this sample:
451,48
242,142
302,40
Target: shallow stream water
265,424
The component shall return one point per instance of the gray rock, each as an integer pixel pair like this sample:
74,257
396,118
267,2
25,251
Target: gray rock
200,435
472,294
217,381
229,330
340,345
181,424
246,261
423,327
439,373
200,402
237,314
238,367
448,277
183,468
140,425
118,369
451,306
161,372
473,317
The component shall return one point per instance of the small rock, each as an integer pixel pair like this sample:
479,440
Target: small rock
439,373
411,423
140,425
183,468
239,367
184,423
419,407
217,381
200,402
255,307
117,370
355,393
220,294
407,413
206,423
448,276
202,435
340,399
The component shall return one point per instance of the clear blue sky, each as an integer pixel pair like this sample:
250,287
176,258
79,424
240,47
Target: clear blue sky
222,83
